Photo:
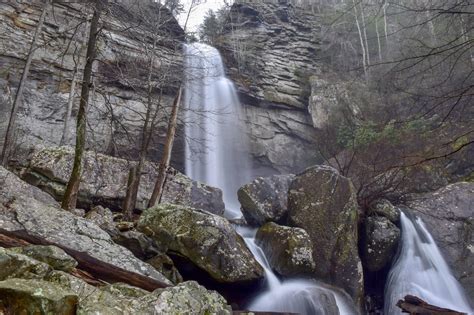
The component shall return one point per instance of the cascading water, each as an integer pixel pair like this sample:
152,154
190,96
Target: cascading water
216,149
213,122
420,270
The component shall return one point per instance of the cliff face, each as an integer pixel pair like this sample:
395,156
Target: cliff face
116,109
271,50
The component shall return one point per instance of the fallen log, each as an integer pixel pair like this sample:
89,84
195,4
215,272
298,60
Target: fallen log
93,266
416,306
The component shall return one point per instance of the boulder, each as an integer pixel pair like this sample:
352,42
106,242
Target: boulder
104,218
22,296
104,181
165,265
289,250
265,199
385,208
22,215
448,215
207,240
324,203
380,243
17,265
51,255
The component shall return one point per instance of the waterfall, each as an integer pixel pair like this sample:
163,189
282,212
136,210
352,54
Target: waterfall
216,148
217,153
420,270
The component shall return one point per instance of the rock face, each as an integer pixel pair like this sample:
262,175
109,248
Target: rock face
289,250
21,214
207,240
381,243
448,215
117,108
265,199
34,288
104,181
271,50
385,209
36,297
324,204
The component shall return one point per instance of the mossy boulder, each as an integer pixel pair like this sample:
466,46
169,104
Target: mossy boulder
385,208
165,265
289,250
26,296
324,203
51,255
265,199
207,240
17,265
381,239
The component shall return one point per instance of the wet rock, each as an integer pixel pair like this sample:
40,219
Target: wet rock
381,243
21,214
51,255
265,199
289,250
323,202
207,240
21,296
383,207
448,215
104,181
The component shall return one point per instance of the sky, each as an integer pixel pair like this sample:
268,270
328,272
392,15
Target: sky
197,15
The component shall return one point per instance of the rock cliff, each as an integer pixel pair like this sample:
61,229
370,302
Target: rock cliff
116,109
271,51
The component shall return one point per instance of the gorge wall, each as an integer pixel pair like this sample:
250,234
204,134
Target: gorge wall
271,50
117,107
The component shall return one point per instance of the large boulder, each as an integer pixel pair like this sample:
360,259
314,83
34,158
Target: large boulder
104,181
55,257
265,199
20,214
289,250
207,240
448,214
324,203
22,296
381,239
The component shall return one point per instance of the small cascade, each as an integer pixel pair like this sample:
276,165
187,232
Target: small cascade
421,270
216,148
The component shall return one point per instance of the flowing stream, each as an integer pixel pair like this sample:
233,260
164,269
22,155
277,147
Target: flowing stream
421,270
217,153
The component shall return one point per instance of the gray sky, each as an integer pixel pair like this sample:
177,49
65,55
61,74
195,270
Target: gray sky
197,15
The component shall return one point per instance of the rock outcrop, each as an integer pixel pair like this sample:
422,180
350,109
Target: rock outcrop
117,107
265,199
36,288
20,214
323,202
271,50
289,250
207,240
381,239
448,215
104,181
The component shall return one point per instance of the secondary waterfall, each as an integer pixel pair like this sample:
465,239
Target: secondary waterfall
217,154
420,270
216,147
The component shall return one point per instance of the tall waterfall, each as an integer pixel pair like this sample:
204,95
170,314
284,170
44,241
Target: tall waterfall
217,154
420,270
216,148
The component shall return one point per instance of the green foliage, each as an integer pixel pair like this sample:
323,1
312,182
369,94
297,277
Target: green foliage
212,26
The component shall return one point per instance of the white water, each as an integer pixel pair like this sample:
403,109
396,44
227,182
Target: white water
217,154
216,147
420,270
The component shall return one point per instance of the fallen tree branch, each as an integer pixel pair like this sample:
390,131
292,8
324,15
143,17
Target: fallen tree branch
414,305
92,266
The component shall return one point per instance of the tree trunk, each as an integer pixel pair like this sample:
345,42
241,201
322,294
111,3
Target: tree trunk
378,37
135,173
19,93
165,160
72,93
364,28
70,196
362,45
